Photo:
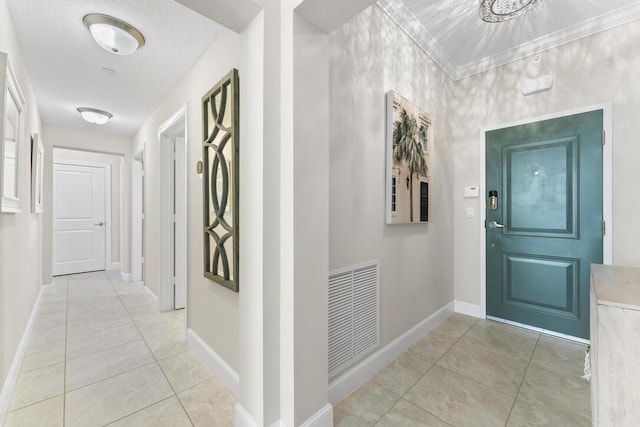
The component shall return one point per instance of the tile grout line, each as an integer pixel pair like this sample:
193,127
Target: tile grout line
112,376
422,376
135,412
515,399
154,358
470,379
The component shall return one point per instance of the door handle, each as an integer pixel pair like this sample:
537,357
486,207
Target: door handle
494,224
99,224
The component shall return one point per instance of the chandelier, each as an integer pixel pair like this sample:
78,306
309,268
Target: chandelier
505,10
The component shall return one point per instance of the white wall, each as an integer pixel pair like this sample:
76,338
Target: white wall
61,155
21,252
311,218
212,309
601,68
61,137
370,55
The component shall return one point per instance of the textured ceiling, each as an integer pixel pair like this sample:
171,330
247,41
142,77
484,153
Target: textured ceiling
66,65
453,34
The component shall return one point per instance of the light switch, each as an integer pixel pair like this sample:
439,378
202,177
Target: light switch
471,212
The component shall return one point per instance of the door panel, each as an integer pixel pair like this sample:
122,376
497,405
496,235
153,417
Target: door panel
549,181
79,219
541,179
547,285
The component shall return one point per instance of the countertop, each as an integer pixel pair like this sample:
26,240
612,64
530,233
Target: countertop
616,286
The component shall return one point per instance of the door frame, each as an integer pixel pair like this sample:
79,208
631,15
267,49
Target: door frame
108,265
137,203
607,187
165,290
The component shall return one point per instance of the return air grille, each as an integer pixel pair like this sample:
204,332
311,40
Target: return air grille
353,315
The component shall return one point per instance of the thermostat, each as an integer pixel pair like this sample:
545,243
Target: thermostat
471,192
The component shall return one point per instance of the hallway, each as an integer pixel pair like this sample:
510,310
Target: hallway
100,354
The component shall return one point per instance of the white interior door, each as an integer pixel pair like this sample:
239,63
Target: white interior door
79,219
172,270
180,224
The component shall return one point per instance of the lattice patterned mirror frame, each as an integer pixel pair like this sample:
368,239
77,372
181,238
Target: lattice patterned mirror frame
220,136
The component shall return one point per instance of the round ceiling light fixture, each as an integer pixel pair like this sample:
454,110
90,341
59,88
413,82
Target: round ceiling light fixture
505,10
113,35
95,116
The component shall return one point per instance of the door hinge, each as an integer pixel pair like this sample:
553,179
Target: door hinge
604,136
604,228
143,260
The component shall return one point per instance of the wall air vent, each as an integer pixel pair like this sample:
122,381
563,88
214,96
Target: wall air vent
353,315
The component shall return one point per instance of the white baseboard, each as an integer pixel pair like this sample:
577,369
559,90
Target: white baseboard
473,310
242,417
322,418
126,277
357,376
223,371
14,370
114,266
153,299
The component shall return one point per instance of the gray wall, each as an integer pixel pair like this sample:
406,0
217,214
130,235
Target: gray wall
601,68
370,55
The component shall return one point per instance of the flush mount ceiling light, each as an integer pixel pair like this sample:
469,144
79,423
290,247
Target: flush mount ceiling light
113,35
505,10
95,116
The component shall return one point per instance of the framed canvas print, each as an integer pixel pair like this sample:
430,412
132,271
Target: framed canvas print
37,167
408,161
12,107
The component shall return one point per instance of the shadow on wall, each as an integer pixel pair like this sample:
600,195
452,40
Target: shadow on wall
370,55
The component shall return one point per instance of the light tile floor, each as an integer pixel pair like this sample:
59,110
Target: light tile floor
100,354
470,372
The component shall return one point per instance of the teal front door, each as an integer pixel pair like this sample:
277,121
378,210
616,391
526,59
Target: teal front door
545,227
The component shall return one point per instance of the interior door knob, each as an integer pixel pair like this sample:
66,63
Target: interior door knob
100,224
494,224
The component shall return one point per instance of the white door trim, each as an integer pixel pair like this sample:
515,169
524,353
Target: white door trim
165,288
137,168
607,185
107,207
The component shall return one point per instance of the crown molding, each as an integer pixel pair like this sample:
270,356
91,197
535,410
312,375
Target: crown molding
399,13
579,31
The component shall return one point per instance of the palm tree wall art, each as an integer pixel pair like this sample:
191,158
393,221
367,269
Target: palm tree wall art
408,128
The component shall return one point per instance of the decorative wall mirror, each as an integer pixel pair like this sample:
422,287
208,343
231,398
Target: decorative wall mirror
220,133
37,168
12,105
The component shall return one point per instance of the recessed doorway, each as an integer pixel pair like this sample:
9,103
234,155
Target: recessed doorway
172,140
